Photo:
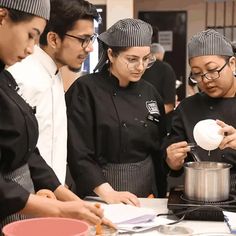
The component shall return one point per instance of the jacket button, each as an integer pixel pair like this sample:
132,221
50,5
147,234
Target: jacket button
29,149
211,107
140,95
123,124
145,125
114,94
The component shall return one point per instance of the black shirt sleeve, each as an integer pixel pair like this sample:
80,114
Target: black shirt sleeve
85,171
169,81
42,175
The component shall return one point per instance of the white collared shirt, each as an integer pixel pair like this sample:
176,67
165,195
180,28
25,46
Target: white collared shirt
42,88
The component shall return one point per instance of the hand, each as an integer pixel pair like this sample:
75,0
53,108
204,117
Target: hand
38,206
176,153
104,221
109,195
46,193
229,132
84,211
120,197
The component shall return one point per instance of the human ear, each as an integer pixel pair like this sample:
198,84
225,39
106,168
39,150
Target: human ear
53,40
3,15
110,55
232,63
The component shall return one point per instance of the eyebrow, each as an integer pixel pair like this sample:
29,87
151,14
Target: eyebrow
38,31
205,64
131,55
84,35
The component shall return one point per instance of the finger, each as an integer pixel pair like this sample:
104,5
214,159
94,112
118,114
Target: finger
91,218
179,145
46,193
220,123
127,201
179,156
135,201
107,222
95,210
228,141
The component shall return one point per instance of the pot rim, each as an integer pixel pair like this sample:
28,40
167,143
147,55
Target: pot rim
192,165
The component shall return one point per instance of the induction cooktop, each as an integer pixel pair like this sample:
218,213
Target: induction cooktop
198,210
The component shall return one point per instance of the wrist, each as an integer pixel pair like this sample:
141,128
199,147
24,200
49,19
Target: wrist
103,189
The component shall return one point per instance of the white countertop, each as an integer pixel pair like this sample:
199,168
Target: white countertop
204,227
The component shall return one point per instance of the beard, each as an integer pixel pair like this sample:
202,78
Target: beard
73,69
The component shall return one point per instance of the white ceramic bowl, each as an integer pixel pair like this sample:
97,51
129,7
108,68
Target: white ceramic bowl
206,134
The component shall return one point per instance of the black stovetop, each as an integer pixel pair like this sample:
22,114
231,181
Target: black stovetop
197,210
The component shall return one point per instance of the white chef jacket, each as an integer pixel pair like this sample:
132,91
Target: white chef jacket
42,87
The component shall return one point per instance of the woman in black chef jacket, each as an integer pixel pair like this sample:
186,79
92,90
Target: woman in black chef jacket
116,121
22,170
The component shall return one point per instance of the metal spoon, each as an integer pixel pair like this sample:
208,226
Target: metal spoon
193,152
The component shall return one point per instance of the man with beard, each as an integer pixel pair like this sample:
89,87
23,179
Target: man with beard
66,41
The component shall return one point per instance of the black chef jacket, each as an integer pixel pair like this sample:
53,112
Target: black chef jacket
18,138
109,124
162,76
1,66
199,107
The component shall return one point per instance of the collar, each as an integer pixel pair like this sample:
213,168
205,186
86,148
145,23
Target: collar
114,81
45,60
2,66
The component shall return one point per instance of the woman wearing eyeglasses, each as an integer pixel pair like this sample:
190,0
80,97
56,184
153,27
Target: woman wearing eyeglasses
212,63
116,121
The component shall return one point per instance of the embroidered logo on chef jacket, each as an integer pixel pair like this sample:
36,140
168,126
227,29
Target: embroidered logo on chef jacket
152,107
153,110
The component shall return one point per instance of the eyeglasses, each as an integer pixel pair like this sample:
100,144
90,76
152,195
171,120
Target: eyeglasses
85,41
211,75
133,63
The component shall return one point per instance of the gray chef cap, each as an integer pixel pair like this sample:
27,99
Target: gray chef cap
39,8
209,42
125,33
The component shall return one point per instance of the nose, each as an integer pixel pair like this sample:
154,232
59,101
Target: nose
30,48
89,48
140,66
205,80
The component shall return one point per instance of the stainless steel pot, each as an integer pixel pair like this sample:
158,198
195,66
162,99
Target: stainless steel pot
207,181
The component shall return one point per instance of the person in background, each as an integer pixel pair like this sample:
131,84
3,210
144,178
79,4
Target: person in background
212,63
162,76
66,41
158,50
192,87
22,170
116,121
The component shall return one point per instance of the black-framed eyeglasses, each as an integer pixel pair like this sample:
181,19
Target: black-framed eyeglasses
210,75
84,40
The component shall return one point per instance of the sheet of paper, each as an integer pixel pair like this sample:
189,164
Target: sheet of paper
139,227
122,213
230,218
